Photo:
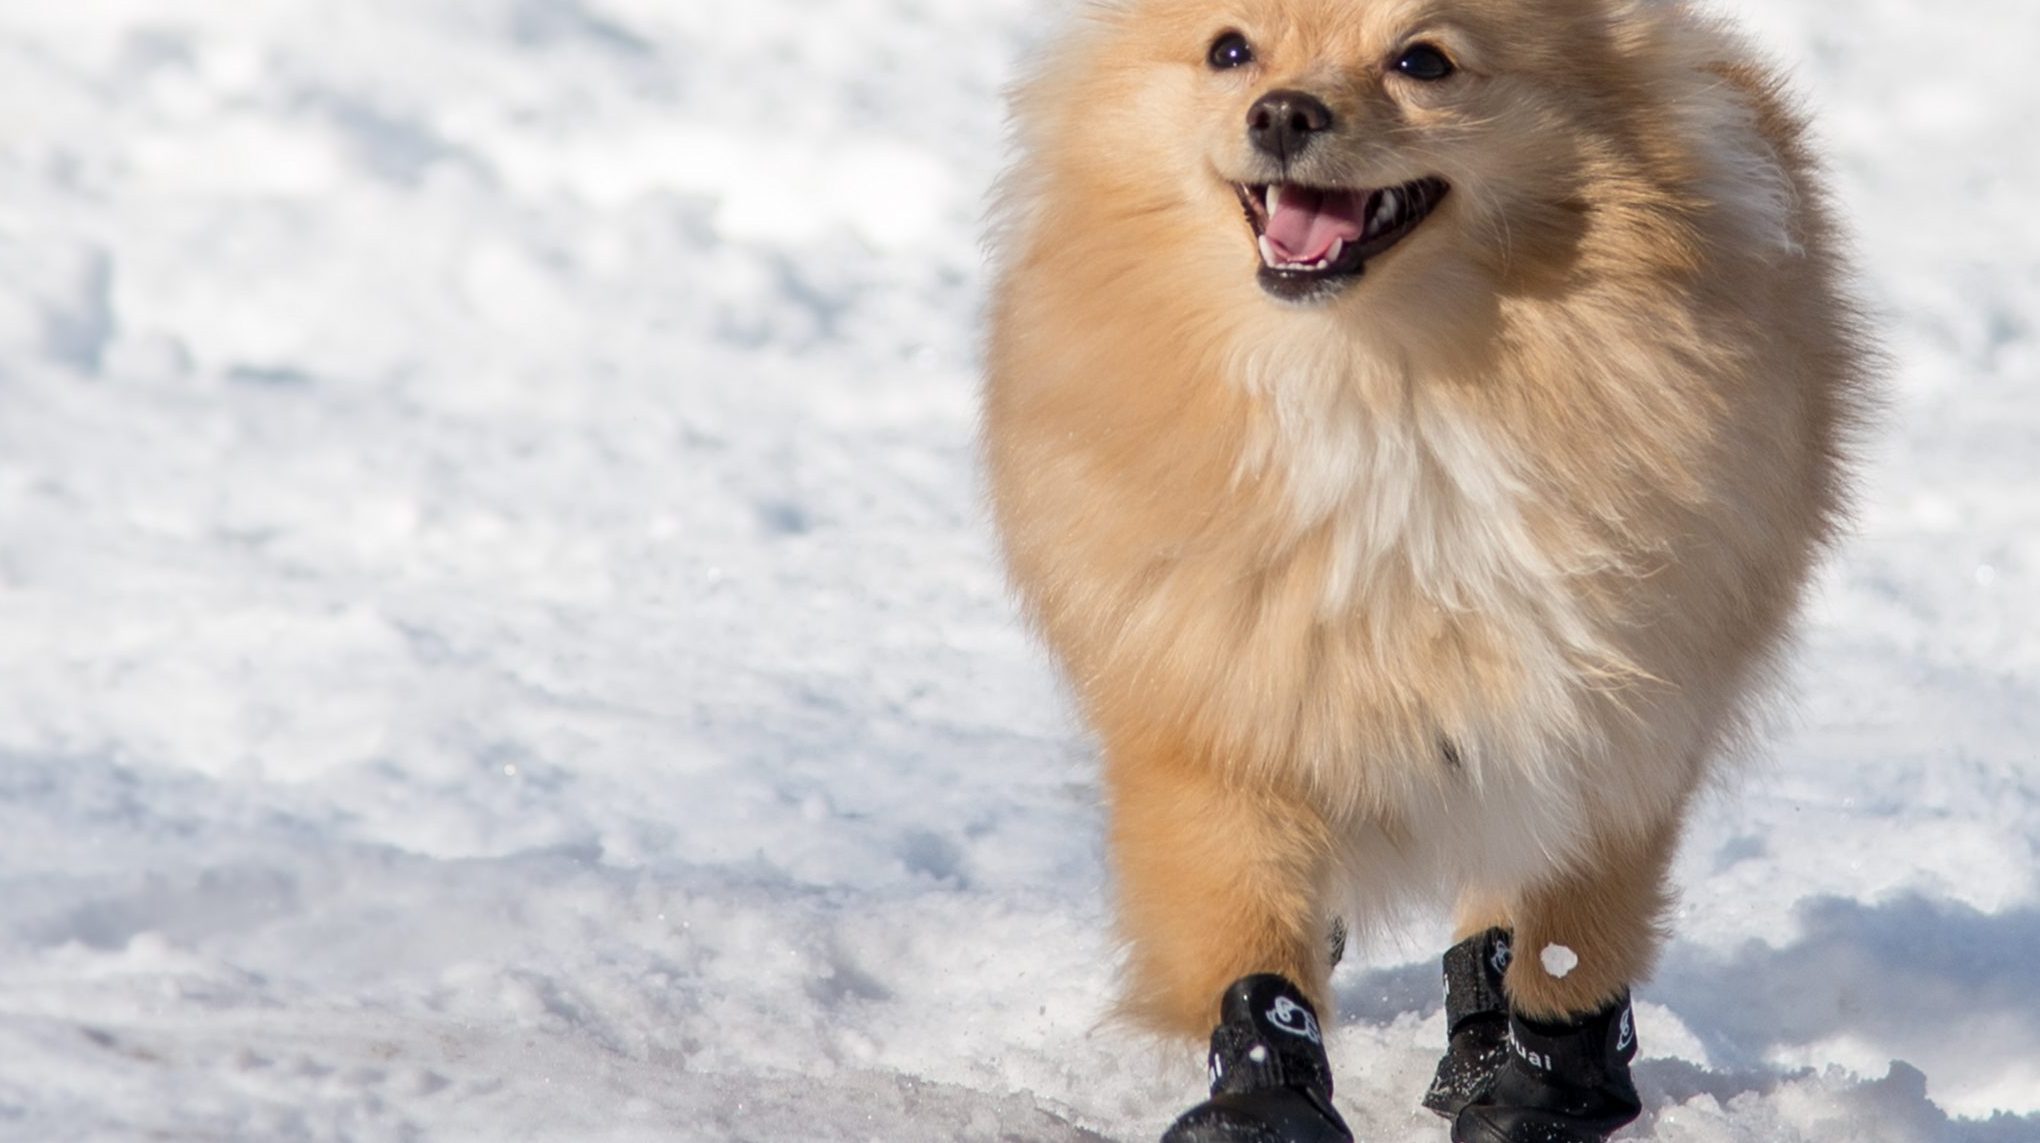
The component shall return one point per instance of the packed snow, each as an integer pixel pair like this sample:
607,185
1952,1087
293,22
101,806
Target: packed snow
502,641
1558,960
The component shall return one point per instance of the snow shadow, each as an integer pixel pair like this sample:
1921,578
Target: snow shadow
1895,977
1888,973
1883,973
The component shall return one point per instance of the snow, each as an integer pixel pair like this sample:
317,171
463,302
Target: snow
1558,960
502,642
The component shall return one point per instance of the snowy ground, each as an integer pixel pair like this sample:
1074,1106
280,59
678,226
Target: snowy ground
500,641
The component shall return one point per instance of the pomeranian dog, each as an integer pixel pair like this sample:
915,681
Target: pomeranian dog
1411,424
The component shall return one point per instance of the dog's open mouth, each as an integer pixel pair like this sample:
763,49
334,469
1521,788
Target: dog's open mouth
1315,240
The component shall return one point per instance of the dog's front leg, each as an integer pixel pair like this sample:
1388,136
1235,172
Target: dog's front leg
1220,885
1584,937
1579,941
1218,879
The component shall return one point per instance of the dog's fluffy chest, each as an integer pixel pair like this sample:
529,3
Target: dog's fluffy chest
1442,611
1421,496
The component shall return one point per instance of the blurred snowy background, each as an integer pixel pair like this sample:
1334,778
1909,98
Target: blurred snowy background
498,637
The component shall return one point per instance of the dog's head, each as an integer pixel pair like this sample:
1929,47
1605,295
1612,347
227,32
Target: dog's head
1332,150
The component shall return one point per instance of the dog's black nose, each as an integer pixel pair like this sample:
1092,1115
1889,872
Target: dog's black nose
1281,123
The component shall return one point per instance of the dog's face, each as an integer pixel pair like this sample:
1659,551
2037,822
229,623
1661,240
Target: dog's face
1338,143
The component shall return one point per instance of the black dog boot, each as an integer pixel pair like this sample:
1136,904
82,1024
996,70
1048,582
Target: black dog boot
1476,1020
1562,1083
1270,1080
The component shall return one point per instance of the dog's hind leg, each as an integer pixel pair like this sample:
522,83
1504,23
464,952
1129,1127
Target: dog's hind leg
1477,912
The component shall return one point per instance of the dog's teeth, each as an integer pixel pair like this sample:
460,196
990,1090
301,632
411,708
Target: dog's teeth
1268,257
1274,197
1338,248
1389,208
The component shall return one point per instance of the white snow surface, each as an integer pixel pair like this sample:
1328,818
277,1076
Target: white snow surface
501,640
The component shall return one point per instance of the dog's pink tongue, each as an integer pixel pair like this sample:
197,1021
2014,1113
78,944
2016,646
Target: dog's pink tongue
1305,222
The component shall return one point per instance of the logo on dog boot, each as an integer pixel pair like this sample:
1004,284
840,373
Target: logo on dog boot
1499,958
1539,1060
1294,1019
1627,1035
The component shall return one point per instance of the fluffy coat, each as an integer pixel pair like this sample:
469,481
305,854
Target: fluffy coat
1464,581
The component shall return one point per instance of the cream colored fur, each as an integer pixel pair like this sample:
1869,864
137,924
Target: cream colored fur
1462,582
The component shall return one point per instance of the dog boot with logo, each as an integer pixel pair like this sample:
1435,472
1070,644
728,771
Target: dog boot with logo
1270,1079
1562,1083
1476,1020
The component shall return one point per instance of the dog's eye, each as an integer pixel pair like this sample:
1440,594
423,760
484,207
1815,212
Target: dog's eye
1422,61
1230,50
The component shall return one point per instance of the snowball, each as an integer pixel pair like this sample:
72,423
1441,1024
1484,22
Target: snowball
1559,960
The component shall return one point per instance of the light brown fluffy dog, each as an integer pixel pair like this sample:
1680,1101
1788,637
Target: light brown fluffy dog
1454,563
